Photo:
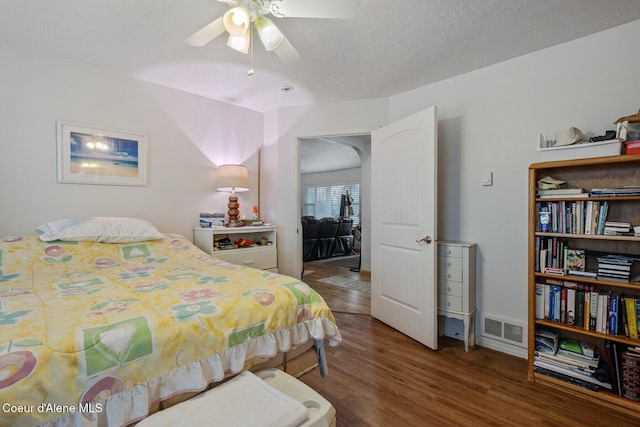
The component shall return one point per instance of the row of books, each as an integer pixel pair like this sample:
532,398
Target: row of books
628,190
550,253
570,360
618,228
575,216
586,307
554,256
615,267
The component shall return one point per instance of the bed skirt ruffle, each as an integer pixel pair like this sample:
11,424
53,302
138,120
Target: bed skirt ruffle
132,405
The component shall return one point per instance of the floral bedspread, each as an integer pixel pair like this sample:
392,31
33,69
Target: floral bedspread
93,333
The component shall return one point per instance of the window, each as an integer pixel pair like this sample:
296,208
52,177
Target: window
324,201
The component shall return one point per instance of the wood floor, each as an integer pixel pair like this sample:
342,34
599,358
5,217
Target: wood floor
342,300
380,377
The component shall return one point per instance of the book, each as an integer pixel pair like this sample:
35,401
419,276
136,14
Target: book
587,309
540,300
574,259
630,372
632,323
637,301
593,310
603,313
611,351
547,301
616,267
594,217
563,362
547,341
560,192
579,321
566,378
613,314
579,217
555,271
571,306
576,359
616,226
629,190
589,274
566,371
543,259
622,316
554,303
563,305
602,216
581,348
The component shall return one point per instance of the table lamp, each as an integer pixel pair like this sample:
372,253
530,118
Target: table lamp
233,179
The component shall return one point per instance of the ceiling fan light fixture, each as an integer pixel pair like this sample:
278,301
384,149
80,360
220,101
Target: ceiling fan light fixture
270,35
239,43
236,21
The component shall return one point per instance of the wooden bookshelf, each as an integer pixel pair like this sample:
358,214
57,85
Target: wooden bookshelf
601,172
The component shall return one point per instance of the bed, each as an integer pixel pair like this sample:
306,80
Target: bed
98,334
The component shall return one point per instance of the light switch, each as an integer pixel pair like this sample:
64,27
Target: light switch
487,178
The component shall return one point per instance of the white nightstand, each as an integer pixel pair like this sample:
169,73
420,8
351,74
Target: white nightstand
457,286
264,257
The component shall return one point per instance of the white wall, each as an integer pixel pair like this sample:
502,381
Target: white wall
489,120
283,128
188,137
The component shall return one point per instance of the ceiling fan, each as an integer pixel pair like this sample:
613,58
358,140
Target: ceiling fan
237,22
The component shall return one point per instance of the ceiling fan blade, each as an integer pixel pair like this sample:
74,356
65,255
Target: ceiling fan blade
286,52
336,9
206,34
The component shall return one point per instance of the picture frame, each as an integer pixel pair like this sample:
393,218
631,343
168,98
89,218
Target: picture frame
90,154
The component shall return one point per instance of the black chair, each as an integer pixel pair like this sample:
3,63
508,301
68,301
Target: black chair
344,237
327,237
310,229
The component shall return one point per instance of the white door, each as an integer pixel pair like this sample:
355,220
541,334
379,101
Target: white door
403,226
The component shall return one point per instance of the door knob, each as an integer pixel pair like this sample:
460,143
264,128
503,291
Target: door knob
425,239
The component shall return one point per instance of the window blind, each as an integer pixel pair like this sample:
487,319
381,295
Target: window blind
324,201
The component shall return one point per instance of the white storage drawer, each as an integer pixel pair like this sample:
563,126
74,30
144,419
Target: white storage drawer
262,258
449,251
450,263
452,274
449,302
451,288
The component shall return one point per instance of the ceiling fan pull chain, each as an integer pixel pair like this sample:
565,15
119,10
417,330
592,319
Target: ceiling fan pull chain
250,72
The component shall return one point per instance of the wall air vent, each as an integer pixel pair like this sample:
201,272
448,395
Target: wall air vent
506,330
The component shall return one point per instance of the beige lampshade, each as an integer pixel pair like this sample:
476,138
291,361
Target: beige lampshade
232,178
240,43
270,35
236,21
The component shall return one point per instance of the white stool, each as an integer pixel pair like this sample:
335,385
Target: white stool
270,397
321,412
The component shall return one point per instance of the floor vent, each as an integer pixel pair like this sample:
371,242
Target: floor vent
506,330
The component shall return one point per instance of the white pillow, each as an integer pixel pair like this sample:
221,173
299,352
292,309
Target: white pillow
99,229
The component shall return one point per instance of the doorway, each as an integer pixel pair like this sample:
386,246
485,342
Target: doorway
331,164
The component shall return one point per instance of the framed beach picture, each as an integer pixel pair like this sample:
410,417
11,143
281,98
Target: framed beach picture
89,154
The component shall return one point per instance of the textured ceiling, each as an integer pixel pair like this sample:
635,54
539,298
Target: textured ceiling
391,47
330,153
